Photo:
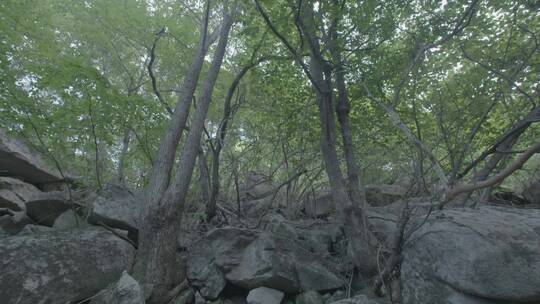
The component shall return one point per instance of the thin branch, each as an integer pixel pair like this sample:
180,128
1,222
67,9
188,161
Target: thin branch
151,72
289,47
516,165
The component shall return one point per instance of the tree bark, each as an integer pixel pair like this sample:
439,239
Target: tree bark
506,143
498,178
164,162
351,215
343,108
123,154
157,266
220,141
203,177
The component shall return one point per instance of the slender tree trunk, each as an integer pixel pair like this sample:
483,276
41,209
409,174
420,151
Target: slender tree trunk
157,265
97,152
123,154
220,141
343,108
203,177
350,213
164,162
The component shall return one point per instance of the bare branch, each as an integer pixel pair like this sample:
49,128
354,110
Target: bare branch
151,72
516,165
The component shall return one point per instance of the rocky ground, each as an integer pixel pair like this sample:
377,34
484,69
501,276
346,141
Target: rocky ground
60,246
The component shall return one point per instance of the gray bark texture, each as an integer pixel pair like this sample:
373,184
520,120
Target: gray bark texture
158,266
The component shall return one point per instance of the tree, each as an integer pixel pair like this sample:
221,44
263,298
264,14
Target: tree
157,266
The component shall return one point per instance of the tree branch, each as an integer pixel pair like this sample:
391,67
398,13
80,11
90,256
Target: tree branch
516,165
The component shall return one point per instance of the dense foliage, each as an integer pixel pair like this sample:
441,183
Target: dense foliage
74,81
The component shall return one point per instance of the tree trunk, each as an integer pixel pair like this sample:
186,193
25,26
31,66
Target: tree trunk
220,141
203,177
157,265
351,215
123,154
164,162
343,108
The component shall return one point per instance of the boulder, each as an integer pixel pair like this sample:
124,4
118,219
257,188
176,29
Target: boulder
14,222
19,160
125,291
14,193
489,255
256,208
69,220
115,206
309,297
60,266
323,238
256,186
319,206
251,259
185,297
363,299
384,194
45,207
33,229
264,295
532,193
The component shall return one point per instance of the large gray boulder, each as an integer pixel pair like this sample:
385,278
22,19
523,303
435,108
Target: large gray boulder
13,222
319,206
45,207
251,259
489,255
309,297
126,291
384,194
264,295
14,193
29,204
363,299
19,160
60,266
256,186
532,193
117,207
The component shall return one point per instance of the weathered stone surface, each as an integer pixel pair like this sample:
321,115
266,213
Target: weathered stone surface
474,256
532,193
69,220
363,299
185,297
264,295
14,193
17,159
251,259
309,297
15,222
126,291
381,195
322,205
256,186
115,206
33,229
45,207
60,266
257,207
